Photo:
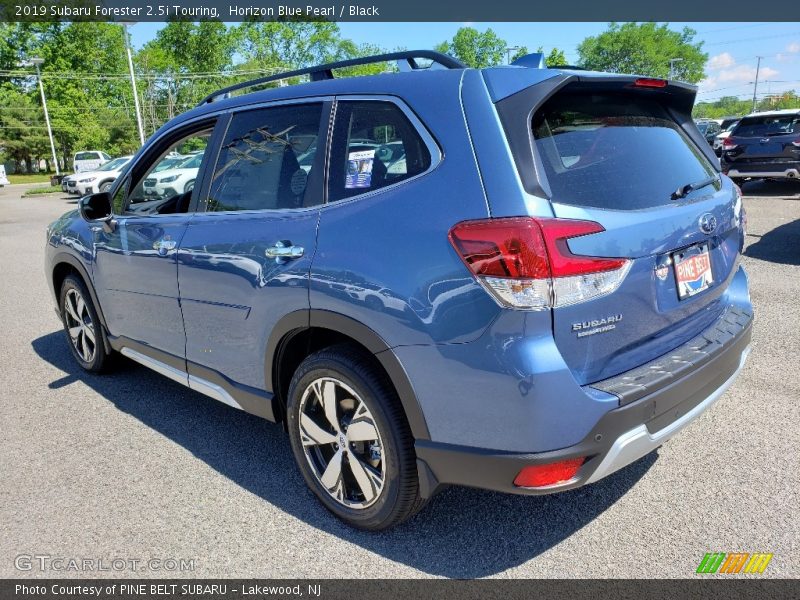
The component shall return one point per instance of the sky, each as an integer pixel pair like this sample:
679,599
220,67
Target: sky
733,48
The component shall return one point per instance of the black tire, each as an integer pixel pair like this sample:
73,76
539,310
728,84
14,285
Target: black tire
189,186
91,356
398,498
105,186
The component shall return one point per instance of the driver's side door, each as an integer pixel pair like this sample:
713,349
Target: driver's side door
135,269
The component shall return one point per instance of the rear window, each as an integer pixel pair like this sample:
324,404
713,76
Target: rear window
614,151
766,126
87,156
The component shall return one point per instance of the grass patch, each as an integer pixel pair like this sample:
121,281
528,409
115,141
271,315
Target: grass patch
29,178
39,191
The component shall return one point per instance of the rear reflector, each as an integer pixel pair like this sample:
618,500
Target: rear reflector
650,83
550,474
526,262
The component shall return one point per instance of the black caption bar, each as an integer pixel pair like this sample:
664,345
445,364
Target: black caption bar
394,10
327,589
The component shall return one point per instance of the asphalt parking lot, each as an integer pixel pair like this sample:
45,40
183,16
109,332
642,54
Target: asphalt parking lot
134,466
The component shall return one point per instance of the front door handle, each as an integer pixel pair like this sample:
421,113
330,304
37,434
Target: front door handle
283,251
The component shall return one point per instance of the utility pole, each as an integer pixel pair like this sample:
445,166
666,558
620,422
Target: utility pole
36,62
125,26
755,86
672,62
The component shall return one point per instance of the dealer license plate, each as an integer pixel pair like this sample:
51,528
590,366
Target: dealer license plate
693,270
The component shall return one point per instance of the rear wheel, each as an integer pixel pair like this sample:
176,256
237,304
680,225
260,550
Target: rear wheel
351,440
82,326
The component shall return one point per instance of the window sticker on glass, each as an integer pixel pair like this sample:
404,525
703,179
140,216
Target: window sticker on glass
359,169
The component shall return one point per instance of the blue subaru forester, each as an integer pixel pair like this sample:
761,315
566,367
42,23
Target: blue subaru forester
515,278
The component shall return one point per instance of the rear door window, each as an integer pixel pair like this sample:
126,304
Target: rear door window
374,145
768,126
267,159
614,151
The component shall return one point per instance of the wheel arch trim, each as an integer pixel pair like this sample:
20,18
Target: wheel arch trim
75,263
302,320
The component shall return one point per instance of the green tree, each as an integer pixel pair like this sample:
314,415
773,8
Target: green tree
644,49
555,57
727,106
24,133
475,48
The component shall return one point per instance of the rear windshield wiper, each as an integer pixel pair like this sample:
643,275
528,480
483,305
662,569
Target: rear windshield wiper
687,189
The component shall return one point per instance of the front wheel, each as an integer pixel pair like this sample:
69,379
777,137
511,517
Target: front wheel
82,326
105,186
351,440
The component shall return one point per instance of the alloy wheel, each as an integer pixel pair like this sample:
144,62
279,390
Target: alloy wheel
80,325
341,443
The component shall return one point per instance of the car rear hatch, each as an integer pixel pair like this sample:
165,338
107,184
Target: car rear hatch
624,157
760,139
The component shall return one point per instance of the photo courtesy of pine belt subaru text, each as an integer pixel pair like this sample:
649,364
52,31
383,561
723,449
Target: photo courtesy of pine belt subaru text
516,278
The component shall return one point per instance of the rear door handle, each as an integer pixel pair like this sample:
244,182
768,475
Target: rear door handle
283,251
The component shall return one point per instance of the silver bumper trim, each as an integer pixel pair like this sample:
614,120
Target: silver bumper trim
788,173
638,442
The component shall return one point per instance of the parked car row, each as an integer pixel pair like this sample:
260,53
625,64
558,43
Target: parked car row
97,180
716,130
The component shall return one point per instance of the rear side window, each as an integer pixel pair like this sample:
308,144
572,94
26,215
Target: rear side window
266,158
87,156
614,151
767,126
374,145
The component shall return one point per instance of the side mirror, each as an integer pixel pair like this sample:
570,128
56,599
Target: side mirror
96,208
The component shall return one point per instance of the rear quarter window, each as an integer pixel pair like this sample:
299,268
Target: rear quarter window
614,151
374,146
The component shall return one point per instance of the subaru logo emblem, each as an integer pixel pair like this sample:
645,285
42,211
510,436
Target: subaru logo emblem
708,223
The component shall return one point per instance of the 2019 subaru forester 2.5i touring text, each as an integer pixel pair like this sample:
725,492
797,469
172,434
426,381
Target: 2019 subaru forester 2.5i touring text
515,278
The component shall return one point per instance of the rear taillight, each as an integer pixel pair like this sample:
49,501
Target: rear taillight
526,263
796,142
549,474
729,144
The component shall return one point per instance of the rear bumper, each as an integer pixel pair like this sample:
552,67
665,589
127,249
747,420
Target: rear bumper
776,170
657,400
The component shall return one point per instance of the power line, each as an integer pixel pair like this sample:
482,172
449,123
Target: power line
754,39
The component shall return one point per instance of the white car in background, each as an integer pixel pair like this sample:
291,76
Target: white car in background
173,181
89,160
99,180
3,179
721,137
